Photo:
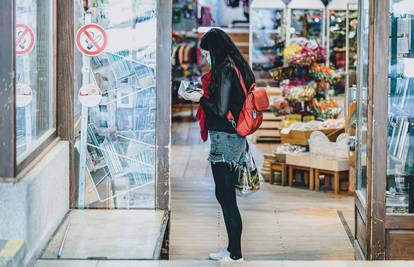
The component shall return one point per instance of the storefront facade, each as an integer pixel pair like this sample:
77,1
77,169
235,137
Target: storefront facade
384,223
43,151
54,150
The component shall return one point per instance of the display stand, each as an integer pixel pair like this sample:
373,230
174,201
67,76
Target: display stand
349,89
306,5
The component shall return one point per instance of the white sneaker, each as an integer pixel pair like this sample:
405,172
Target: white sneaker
229,259
219,255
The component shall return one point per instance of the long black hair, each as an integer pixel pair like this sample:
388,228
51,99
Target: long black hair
221,47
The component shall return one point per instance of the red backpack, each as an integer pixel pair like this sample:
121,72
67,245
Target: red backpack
251,115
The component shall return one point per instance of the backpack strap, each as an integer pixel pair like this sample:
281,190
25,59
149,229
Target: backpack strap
230,116
243,85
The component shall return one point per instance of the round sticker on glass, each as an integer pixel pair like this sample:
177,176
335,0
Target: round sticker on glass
24,95
90,95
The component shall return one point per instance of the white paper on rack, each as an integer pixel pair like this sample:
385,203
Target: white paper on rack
187,86
181,89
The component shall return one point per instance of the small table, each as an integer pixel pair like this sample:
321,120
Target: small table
316,164
305,169
337,175
278,167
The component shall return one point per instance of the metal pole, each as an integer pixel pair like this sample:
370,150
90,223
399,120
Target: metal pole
28,124
347,62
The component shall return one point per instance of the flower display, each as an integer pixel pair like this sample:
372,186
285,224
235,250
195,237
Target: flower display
323,73
303,55
280,106
305,80
325,109
300,93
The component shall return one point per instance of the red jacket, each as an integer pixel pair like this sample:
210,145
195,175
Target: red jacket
201,116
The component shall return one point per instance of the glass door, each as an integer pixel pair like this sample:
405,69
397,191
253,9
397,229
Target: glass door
400,165
115,113
362,205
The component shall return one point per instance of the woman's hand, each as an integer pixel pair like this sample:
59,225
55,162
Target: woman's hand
193,96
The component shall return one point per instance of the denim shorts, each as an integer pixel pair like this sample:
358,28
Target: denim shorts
227,147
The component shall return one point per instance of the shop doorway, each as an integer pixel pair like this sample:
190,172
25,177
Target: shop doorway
116,213
306,211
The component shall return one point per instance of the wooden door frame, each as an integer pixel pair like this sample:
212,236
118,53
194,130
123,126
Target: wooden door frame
65,85
379,63
377,132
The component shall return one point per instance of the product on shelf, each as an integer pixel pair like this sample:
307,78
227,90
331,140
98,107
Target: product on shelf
288,148
324,74
303,52
300,93
325,108
280,106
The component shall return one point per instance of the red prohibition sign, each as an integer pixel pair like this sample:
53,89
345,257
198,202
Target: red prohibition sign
91,39
25,39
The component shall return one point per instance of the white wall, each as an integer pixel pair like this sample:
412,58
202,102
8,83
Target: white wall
33,208
227,14
223,14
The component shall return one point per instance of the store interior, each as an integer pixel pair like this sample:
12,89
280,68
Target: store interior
304,53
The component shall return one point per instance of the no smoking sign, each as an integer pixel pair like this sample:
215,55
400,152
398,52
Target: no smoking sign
25,39
91,39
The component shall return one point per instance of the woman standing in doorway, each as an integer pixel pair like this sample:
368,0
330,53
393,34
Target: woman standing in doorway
220,106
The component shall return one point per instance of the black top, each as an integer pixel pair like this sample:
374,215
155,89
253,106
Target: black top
228,97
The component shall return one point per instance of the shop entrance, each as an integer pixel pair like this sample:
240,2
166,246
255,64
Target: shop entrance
305,207
116,213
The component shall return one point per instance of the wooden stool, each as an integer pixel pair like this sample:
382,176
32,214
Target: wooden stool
278,167
306,169
336,178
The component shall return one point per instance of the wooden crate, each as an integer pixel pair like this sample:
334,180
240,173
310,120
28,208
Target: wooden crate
266,135
279,157
269,116
269,131
318,161
296,137
271,124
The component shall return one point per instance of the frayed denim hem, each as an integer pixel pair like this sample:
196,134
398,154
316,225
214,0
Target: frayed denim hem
234,165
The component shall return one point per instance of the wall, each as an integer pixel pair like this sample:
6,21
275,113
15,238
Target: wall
33,208
226,15
222,14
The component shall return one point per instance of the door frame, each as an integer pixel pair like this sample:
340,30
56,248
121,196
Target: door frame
377,134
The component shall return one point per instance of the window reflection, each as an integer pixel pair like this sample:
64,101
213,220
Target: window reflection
35,114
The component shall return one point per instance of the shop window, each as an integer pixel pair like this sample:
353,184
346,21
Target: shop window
400,167
35,93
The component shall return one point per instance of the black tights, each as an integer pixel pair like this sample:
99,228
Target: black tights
225,178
